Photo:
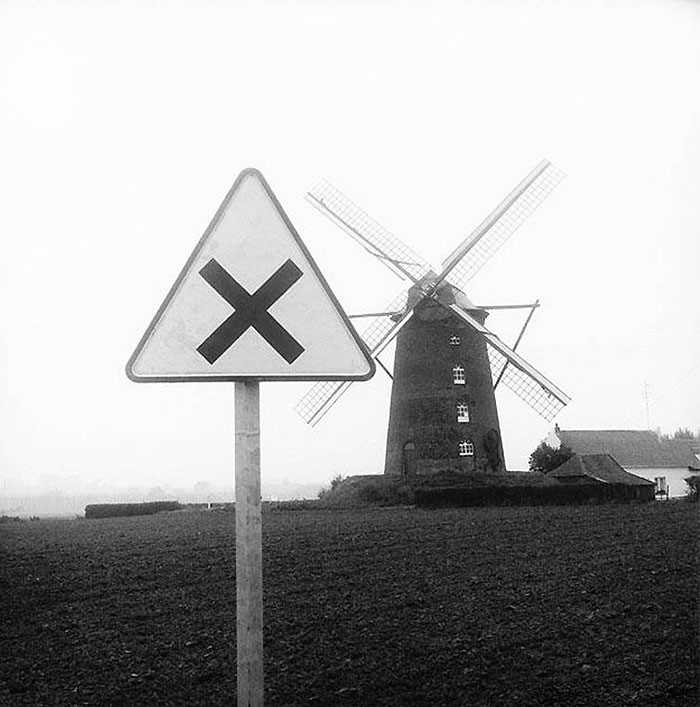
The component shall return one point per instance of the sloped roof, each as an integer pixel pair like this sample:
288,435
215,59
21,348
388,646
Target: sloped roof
601,467
692,445
631,448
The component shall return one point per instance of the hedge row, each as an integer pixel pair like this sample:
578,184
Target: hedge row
532,495
116,510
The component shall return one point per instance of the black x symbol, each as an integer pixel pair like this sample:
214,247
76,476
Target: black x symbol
251,311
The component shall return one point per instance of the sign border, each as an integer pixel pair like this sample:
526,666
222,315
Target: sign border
205,378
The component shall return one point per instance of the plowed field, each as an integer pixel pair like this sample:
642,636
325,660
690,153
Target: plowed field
569,606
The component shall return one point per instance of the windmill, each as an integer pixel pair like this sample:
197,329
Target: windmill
447,364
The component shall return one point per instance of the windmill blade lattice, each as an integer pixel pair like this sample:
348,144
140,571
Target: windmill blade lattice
382,326
523,379
319,400
524,386
494,231
321,397
397,256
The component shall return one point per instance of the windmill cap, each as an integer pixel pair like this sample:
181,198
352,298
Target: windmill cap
447,294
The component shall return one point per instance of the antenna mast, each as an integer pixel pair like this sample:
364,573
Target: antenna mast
647,393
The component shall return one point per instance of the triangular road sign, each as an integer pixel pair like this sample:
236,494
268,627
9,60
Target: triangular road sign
250,303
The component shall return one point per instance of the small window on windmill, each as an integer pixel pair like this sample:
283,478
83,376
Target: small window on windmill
462,412
454,340
458,373
466,448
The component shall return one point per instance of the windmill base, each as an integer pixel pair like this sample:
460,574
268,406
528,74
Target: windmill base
433,467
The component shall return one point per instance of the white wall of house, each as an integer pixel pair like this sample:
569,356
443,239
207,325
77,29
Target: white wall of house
675,478
552,439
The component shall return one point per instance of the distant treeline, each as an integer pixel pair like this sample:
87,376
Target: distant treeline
115,510
532,495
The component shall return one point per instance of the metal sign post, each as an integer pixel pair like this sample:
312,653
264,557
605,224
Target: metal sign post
249,615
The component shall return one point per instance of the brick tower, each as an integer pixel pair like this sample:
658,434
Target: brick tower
443,412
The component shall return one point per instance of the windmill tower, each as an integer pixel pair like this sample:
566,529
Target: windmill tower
443,413
442,397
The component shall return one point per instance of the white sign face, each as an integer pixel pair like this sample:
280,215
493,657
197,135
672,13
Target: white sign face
250,303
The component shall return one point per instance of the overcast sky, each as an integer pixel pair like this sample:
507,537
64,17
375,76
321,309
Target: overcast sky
124,124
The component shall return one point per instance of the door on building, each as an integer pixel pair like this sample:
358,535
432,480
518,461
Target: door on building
408,461
661,487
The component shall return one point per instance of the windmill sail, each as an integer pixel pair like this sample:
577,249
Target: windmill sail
319,399
462,264
470,256
322,396
372,236
517,374
524,386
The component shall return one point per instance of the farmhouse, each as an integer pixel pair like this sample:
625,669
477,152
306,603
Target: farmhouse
603,469
666,462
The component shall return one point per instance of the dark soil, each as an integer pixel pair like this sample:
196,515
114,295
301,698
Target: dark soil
562,606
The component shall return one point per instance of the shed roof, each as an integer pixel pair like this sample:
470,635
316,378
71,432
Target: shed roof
601,467
642,449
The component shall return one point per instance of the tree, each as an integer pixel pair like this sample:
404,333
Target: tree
685,433
335,482
546,458
693,492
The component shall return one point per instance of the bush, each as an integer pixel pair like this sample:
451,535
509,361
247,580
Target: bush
379,495
564,494
693,492
335,482
117,510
